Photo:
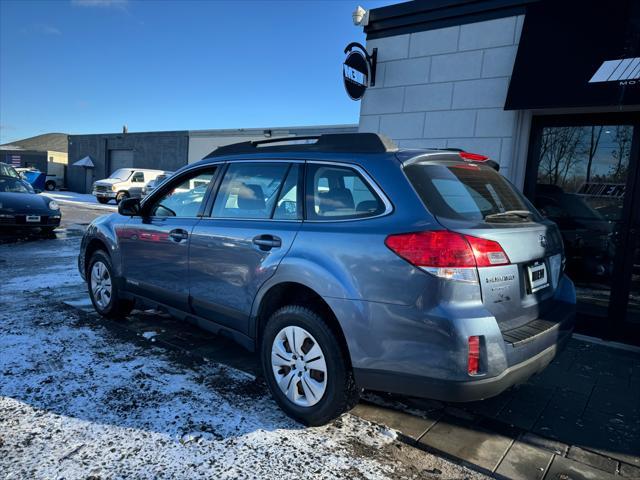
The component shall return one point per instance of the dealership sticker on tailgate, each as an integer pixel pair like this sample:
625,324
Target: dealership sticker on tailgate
33,218
537,276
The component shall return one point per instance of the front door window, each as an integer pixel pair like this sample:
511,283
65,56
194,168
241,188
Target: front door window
185,198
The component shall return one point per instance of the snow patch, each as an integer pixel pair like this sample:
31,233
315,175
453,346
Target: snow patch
84,199
79,401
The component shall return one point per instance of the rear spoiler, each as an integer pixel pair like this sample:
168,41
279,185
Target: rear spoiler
475,157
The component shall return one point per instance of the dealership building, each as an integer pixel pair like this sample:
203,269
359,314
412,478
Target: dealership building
551,91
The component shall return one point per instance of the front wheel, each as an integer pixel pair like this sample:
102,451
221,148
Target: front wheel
102,200
121,196
104,292
50,185
305,367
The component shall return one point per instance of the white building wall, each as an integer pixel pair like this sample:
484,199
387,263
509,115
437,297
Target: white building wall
447,88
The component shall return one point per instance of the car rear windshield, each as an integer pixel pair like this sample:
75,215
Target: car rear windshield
467,191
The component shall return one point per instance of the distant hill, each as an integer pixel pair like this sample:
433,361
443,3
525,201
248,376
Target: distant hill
47,141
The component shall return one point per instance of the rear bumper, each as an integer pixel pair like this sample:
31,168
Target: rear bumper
456,391
426,355
13,224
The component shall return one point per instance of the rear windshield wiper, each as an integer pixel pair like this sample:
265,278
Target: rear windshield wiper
523,214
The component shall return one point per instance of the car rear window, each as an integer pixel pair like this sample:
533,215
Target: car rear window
462,191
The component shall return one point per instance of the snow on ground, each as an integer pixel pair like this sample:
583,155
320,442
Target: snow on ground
84,199
80,402
80,398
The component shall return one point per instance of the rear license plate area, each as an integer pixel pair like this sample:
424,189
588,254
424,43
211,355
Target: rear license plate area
33,218
538,277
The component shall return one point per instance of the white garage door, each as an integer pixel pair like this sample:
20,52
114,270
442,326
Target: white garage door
120,159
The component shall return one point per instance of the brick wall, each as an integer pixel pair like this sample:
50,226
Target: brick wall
447,88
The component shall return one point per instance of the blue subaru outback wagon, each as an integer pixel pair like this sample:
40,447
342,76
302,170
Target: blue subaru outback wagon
347,263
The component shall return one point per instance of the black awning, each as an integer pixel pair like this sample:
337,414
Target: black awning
577,53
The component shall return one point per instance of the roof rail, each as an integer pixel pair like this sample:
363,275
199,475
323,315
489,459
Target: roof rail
329,142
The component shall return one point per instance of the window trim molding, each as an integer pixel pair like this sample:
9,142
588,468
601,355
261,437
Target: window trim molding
222,167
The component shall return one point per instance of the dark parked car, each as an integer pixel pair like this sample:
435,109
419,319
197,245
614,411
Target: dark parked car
588,235
347,264
149,187
21,208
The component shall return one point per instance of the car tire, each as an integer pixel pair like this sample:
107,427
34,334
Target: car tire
333,393
47,230
102,200
103,290
121,196
50,185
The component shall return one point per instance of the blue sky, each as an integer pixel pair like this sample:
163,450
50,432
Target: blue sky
90,66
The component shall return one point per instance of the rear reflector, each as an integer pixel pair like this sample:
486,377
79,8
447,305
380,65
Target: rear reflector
445,249
473,362
474,157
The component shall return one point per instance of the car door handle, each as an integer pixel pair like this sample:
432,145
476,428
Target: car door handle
178,235
267,242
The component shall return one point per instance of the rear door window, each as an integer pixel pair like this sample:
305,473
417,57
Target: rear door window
461,191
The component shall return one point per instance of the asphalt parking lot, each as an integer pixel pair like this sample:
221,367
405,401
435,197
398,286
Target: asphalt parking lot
82,396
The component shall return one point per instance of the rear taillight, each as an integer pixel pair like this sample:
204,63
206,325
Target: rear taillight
447,254
487,252
432,249
474,157
473,360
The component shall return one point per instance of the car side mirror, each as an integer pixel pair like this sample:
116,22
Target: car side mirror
129,207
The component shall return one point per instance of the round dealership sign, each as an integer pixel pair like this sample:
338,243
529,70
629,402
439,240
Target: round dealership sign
355,74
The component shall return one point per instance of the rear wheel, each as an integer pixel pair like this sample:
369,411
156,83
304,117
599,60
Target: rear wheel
121,196
104,292
50,185
305,367
102,200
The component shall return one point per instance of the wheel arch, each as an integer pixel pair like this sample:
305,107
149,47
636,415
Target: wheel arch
286,293
93,246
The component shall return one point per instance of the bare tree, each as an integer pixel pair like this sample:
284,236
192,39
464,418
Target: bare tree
622,138
596,133
558,153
